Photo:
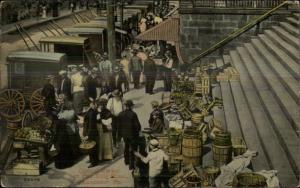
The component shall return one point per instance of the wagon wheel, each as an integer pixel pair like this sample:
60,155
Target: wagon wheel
27,119
37,102
12,103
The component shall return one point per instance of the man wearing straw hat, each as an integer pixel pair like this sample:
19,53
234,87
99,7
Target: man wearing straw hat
156,159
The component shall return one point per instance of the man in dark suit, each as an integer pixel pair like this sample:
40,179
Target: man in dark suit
65,86
150,74
129,131
91,131
48,93
91,86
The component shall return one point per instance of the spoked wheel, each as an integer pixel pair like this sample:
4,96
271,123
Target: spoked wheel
37,102
27,118
12,103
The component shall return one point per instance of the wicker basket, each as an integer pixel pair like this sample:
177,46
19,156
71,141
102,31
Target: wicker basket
249,180
210,173
87,146
238,145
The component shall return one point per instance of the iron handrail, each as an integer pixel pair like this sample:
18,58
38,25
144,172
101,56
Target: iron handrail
237,33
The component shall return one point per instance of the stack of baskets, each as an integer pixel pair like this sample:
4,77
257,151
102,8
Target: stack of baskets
222,149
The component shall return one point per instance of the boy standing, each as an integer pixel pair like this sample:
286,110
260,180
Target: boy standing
156,159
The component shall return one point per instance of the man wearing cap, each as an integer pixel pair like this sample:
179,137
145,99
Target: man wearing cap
136,69
65,85
156,159
48,92
115,105
105,68
156,120
77,89
129,131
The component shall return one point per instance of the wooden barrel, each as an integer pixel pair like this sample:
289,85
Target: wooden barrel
222,155
192,147
222,148
163,140
174,165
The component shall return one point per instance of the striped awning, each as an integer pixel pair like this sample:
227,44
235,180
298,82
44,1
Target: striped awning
167,30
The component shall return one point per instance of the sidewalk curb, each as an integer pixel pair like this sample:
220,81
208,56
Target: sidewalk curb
39,22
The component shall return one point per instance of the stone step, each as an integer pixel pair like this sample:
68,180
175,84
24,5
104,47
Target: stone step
287,36
296,15
220,116
287,71
293,21
231,118
289,49
287,103
246,120
290,28
263,125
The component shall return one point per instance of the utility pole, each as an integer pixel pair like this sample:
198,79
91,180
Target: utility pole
111,36
121,19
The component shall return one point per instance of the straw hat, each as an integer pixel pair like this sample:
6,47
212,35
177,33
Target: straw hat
49,77
62,72
116,93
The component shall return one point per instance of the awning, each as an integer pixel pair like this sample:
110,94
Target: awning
83,30
68,40
168,30
38,57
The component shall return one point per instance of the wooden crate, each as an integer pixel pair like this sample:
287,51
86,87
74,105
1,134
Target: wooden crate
26,168
234,74
222,77
180,180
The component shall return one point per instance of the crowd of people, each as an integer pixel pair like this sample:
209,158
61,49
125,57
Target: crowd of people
95,95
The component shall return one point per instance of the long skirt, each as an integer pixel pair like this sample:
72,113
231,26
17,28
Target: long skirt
100,141
78,101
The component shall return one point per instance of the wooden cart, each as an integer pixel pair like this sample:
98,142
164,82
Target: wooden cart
27,70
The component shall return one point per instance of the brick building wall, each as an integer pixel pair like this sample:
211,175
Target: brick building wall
199,31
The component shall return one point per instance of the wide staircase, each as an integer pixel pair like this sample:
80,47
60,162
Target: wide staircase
263,105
